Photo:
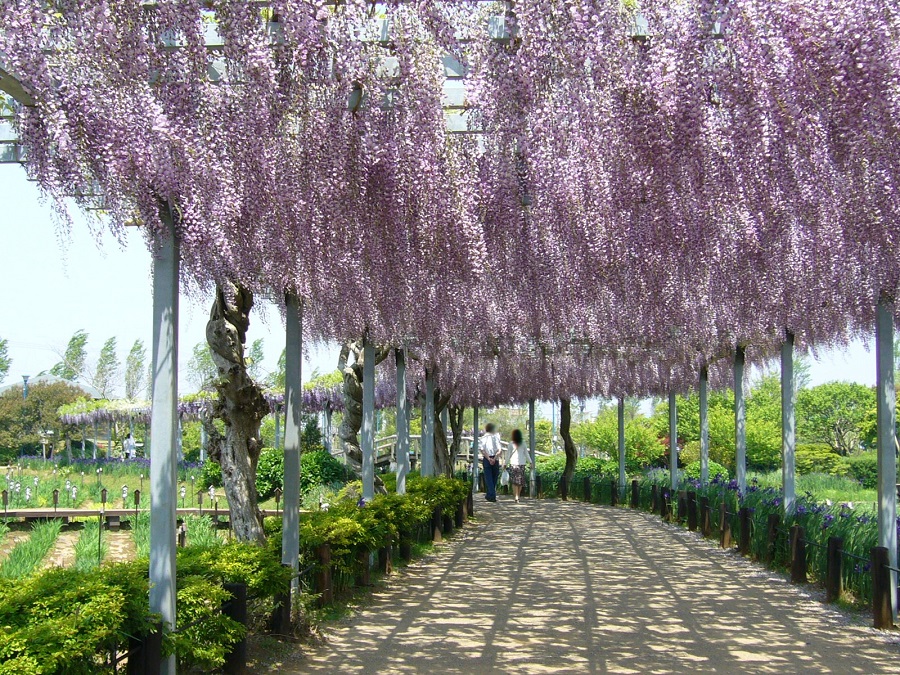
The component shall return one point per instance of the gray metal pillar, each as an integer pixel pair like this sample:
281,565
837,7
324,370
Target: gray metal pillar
427,443
886,424
94,439
164,430
673,442
204,441
788,435
367,433
293,397
621,425
704,426
109,441
180,440
740,421
532,447
402,423
476,453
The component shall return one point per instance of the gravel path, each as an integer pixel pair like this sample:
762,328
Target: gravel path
565,587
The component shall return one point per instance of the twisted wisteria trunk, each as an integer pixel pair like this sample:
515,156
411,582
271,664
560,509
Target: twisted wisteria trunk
352,390
565,423
240,405
443,457
456,421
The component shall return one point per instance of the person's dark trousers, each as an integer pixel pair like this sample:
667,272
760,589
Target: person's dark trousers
491,473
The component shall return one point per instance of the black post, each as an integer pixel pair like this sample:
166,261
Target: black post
460,513
692,510
448,523
724,527
437,522
774,522
682,505
613,493
744,516
563,488
654,497
470,502
362,576
146,653
705,517
587,488
236,609
538,486
385,564
405,546
635,494
281,614
664,504
834,585
323,576
798,555
882,612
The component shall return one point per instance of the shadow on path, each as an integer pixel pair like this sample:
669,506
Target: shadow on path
565,587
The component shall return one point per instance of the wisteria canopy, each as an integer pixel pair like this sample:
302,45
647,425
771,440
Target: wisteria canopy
642,185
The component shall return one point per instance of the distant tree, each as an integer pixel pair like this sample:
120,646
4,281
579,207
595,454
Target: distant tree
135,373
74,359
23,420
106,375
202,371
5,361
276,379
254,359
834,414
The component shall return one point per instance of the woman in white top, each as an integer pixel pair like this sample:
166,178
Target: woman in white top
518,460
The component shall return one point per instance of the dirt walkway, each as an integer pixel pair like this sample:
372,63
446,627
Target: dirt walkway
556,587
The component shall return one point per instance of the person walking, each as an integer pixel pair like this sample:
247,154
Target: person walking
491,456
518,460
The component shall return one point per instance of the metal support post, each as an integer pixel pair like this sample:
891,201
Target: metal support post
402,423
740,421
367,433
788,436
293,396
887,459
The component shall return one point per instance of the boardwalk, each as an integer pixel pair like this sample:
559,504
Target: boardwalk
555,587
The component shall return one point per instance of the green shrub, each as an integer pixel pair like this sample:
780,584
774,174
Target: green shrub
319,467
819,458
209,633
211,474
692,470
863,468
269,473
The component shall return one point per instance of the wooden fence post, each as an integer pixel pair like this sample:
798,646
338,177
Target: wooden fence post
798,555
635,494
563,488
692,510
834,582
772,525
236,609
362,561
744,517
724,526
587,488
385,564
654,498
470,503
448,523
460,513
705,517
437,523
405,546
664,505
323,576
613,492
881,588
681,505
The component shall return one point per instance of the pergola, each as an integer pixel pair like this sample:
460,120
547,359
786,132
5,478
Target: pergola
541,199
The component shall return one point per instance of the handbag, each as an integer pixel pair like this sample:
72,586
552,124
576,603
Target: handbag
504,477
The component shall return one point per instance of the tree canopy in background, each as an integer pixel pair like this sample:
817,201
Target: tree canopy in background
5,361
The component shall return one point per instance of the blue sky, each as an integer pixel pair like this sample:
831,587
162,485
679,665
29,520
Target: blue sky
57,282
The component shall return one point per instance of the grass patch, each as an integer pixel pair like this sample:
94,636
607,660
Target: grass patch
140,532
201,531
27,556
86,548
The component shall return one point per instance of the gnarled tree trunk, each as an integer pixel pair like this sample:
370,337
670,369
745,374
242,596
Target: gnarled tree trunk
240,405
565,422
